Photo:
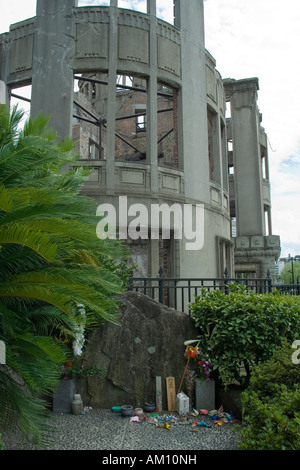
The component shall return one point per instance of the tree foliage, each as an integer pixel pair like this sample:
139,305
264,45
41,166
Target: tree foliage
291,273
51,261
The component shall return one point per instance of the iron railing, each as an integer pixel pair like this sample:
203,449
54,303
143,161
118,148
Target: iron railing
178,293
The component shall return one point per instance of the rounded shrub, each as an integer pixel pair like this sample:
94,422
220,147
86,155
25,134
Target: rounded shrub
241,329
271,404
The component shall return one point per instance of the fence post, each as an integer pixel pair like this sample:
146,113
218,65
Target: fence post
160,286
226,281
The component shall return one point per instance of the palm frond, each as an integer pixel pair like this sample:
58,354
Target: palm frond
6,201
9,122
18,258
22,412
39,242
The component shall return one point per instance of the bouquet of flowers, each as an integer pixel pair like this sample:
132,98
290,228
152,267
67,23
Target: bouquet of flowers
201,365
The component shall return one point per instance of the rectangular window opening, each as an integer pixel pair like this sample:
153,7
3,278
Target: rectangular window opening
228,110
141,121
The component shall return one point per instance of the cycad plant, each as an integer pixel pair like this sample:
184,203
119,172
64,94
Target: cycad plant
51,262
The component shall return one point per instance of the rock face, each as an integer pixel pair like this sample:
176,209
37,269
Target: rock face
147,343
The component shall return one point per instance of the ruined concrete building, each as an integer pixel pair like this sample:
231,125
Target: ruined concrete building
147,105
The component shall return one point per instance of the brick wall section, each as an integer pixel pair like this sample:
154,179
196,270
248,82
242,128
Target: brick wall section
85,133
129,103
76,136
127,127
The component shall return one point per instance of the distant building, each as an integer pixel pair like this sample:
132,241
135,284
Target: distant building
148,107
281,262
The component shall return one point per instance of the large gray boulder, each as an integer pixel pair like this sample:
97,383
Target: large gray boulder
147,343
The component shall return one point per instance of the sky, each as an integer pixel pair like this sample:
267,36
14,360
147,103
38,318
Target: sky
256,38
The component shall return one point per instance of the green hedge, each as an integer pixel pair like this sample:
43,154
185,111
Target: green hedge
271,405
242,329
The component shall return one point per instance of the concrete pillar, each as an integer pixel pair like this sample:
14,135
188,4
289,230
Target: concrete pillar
222,173
217,149
4,61
224,157
2,92
111,97
222,148
52,71
266,163
192,103
269,222
152,150
247,158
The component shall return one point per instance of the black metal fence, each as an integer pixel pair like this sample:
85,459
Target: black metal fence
177,293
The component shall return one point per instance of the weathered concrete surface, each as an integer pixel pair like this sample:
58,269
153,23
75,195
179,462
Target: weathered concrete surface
148,343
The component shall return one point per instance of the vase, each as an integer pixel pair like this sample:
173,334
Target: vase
149,407
138,412
127,410
205,395
63,396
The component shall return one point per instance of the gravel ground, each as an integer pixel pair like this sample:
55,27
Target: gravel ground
104,430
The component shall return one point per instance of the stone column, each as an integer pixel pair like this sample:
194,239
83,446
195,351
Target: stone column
221,145
4,65
52,71
152,150
246,156
111,97
217,149
192,102
3,94
269,221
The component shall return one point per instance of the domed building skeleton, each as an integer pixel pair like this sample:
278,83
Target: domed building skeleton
146,104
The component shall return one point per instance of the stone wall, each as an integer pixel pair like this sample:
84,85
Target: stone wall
147,343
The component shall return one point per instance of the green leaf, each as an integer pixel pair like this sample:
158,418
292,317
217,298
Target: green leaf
5,200
16,234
